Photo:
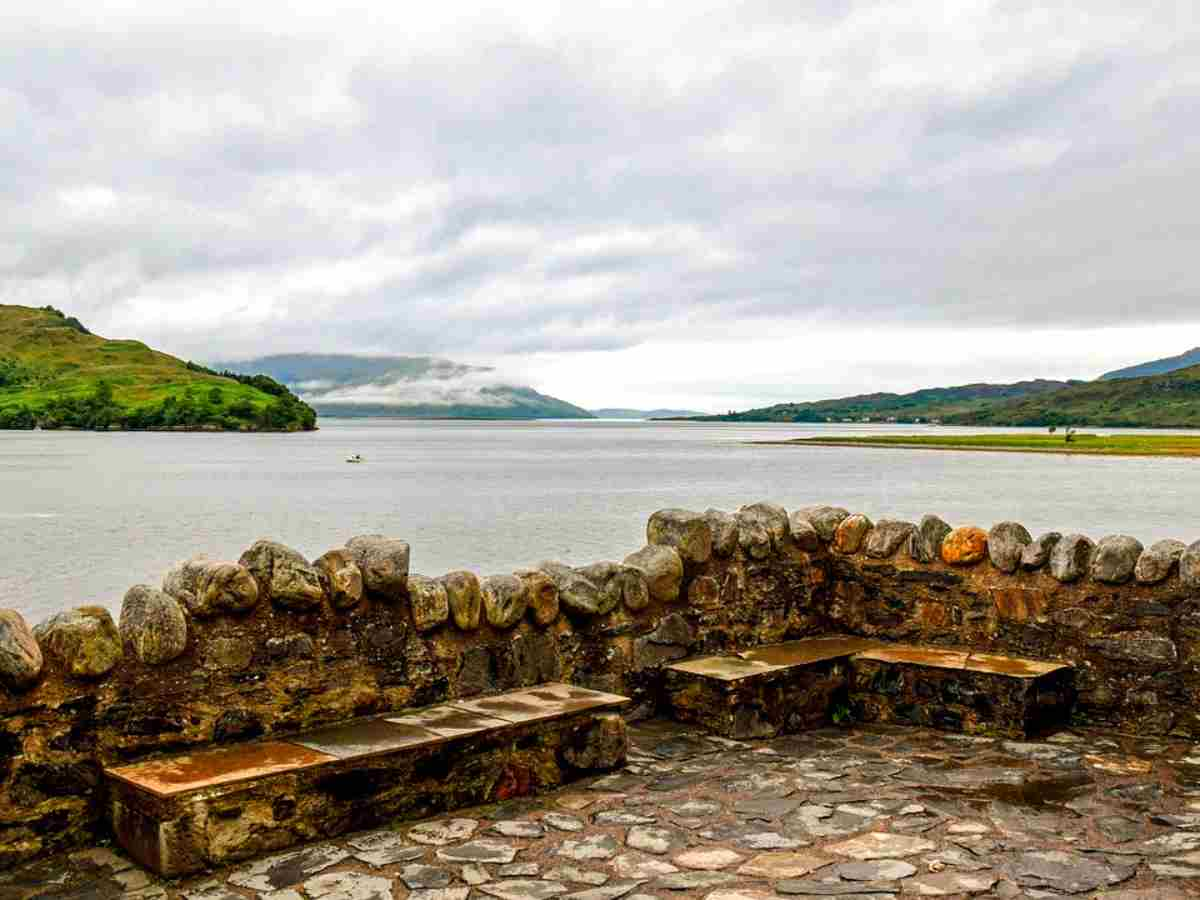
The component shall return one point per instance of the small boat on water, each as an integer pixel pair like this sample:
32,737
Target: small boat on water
356,458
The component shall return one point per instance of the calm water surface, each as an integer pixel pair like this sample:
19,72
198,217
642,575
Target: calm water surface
83,516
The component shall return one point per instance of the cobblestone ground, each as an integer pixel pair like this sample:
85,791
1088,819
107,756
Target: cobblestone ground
865,814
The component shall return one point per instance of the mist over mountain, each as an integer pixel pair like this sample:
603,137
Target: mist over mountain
345,385
623,413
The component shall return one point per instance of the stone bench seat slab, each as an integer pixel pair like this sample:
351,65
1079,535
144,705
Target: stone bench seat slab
367,737
939,658
549,701
214,768
194,811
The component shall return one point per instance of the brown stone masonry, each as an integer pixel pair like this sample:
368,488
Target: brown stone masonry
273,644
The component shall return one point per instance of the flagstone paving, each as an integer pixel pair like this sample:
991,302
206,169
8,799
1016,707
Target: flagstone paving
872,813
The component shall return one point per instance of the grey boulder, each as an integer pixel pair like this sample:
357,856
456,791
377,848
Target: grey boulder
577,593
1115,558
774,518
724,531
686,531
284,576
342,578
1158,561
465,596
384,563
429,601
1006,545
84,641
20,656
662,568
1038,553
925,544
888,536
824,519
1071,558
1189,566
504,600
153,625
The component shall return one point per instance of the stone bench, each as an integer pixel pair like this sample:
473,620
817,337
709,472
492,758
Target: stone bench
957,690
791,687
182,814
766,691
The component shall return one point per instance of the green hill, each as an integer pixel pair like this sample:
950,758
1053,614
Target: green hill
924,405
1156,367
1158,401
54,373
413,387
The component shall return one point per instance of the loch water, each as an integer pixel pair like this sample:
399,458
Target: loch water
85,515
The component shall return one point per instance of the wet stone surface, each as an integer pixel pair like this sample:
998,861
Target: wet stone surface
871,812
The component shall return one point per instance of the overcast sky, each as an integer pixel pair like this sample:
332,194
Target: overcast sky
692,203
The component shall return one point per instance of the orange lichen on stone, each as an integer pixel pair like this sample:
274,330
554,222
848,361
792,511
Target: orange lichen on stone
965,546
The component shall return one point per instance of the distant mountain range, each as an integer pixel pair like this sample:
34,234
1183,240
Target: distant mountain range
929,404
1160,394
417,387
621,413
1156,367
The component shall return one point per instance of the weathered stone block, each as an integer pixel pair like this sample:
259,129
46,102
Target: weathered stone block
824,519
542,594
429,601
153,625
686,531
84,641
1114,559
1158,561
383,562
465,595
1006,545
504,600
662,569
926,544
851,533
888,536
284,576
342,578
1037,554
20,656
724,531
1071,558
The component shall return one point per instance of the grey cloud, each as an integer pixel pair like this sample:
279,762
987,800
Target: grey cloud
505,194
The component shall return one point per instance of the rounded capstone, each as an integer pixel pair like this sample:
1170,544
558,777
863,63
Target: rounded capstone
851,533
576,593
925,545
465,596
1115,558
964,546
662,569
1037,554
825,519
1071,558
1158,561
686,531
384,564
1006,545
753,536
724,531
284,575
84,641
888,536
504,600
342,578
542,594
429,603
804,536
618,584
774,518
206,587
1189,566
153,625
20,656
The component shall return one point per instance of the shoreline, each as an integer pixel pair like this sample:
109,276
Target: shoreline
875,444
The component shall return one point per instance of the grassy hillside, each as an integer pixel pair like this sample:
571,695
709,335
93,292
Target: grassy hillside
1080,444
1159,401
1156,367
919,406
55,373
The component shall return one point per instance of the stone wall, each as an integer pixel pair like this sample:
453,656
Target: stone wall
274,644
